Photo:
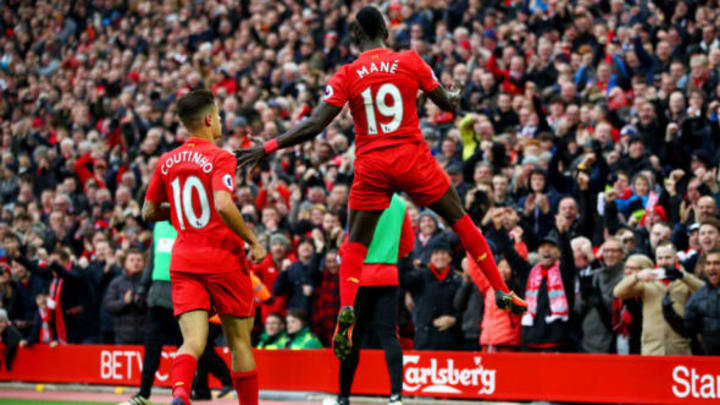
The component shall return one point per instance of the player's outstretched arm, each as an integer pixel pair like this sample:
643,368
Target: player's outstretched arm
230,214
447,100
302,131
152,212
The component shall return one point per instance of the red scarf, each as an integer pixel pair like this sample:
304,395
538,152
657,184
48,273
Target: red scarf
45,334
622,319
701,81
556,293
440,274
55,292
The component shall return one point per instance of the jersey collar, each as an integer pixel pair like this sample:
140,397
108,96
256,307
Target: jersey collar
373,51
196,140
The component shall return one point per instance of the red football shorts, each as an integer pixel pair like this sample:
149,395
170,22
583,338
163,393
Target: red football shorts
409,167
228,293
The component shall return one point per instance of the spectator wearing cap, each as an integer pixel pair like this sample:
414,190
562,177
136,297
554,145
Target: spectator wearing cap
279,259
433,288
454,170
702,315
121,301
688,257
651,286
596,298
429,232
549,290
635,160
539,204
297,281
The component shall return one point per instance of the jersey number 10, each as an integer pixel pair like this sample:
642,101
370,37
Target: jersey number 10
395,110
185,200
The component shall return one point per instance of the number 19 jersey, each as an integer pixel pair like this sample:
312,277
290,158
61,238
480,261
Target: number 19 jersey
187,177
382,88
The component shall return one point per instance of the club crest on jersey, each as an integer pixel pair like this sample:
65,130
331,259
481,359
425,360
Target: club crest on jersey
228,181
328,91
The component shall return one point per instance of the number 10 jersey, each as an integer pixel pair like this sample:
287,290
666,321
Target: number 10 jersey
382,88
187,177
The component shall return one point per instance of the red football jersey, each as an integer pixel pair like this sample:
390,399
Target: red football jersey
187,178
382,88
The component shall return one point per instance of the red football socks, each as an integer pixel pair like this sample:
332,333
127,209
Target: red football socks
246,386
350,270
182,376
474,242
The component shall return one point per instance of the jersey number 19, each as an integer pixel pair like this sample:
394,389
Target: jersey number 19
395,110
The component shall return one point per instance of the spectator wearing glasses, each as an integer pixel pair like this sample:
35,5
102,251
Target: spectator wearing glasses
596,299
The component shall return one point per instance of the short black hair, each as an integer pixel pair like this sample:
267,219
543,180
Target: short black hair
193,105
369,24
298,314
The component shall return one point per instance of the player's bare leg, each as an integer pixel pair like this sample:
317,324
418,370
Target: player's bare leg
362,228
449,207
244,375
194,329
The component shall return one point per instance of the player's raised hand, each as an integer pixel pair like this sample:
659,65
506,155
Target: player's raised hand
455,91
257,253
250,156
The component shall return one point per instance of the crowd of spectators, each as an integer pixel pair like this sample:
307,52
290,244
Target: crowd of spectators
586,149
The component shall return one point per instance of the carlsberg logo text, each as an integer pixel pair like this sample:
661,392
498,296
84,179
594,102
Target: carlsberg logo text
446,378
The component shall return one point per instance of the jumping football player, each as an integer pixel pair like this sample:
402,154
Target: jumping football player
391,155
